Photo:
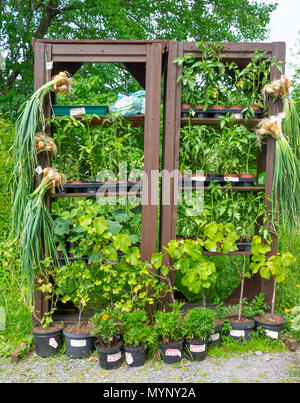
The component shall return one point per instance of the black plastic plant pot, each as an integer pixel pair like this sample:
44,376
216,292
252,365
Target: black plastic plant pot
110,357
47,343
241,330
135,356
171,352
195,349
273,329
79,345
215,338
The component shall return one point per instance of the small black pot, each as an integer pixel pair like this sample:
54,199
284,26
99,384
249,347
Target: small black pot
195,349
135,356
241,330
171,352
79,345
215,338
110,358
271,329
47,343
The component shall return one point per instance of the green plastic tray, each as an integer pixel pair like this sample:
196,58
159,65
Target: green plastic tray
74,110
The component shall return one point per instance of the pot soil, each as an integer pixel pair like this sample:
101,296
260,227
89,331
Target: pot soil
110,357
135,356
242,329
172,352
215,338
79,343
48,341
271,323
195,349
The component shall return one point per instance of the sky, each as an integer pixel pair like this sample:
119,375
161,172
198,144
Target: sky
285,27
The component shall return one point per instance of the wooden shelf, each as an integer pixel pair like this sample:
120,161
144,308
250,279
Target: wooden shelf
234,188
216,121
55,195
135,120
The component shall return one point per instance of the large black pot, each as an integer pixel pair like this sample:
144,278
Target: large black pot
171,352
271,329
241,330
79,345
47,343
135,356
110,357
215,338
195,349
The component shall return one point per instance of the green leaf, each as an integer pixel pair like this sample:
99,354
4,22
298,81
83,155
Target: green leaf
156,260
100,225
122,242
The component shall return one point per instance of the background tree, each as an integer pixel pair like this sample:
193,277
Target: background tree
220,20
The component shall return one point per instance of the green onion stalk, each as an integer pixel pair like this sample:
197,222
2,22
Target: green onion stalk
38,240
286,180
291,122
25,156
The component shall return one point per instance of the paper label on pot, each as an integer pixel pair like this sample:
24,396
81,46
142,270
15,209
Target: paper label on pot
197,349
214,337
78,343
129,358
237,333
114,357
231,178
199,178
77,111
172,352
39,170
272,334
53,342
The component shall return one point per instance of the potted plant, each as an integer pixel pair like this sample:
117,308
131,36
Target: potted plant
241,325
199,323
222,312
171,332
137,334
107,328
276,266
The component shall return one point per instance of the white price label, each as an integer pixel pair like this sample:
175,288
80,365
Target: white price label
77,111
39,170
197,348
214,337
129,358
237,333
272,334
199,178
78,343
49,65
114,357
231,178
171,352
53,342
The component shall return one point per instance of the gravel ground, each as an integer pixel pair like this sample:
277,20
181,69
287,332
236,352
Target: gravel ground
246,368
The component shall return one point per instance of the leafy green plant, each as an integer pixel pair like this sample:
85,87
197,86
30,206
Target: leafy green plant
257,306
275,265
199,323
169,325
106,326
135,329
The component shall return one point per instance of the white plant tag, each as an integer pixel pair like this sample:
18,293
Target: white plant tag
49,65
197,349
77,111
214,337
53,342
272,334
261,180
171,352
114,357
78,343
231,178
129,358
39,170
199,178
237,333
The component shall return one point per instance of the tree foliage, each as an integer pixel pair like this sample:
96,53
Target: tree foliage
20,21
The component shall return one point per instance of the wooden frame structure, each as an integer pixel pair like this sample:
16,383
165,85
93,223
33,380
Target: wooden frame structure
144,60
241,54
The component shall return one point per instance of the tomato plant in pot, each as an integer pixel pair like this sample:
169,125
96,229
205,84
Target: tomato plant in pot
171,332
276,266
199,323
137,335
106,327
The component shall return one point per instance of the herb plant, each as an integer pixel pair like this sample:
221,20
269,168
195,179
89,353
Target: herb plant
199,323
